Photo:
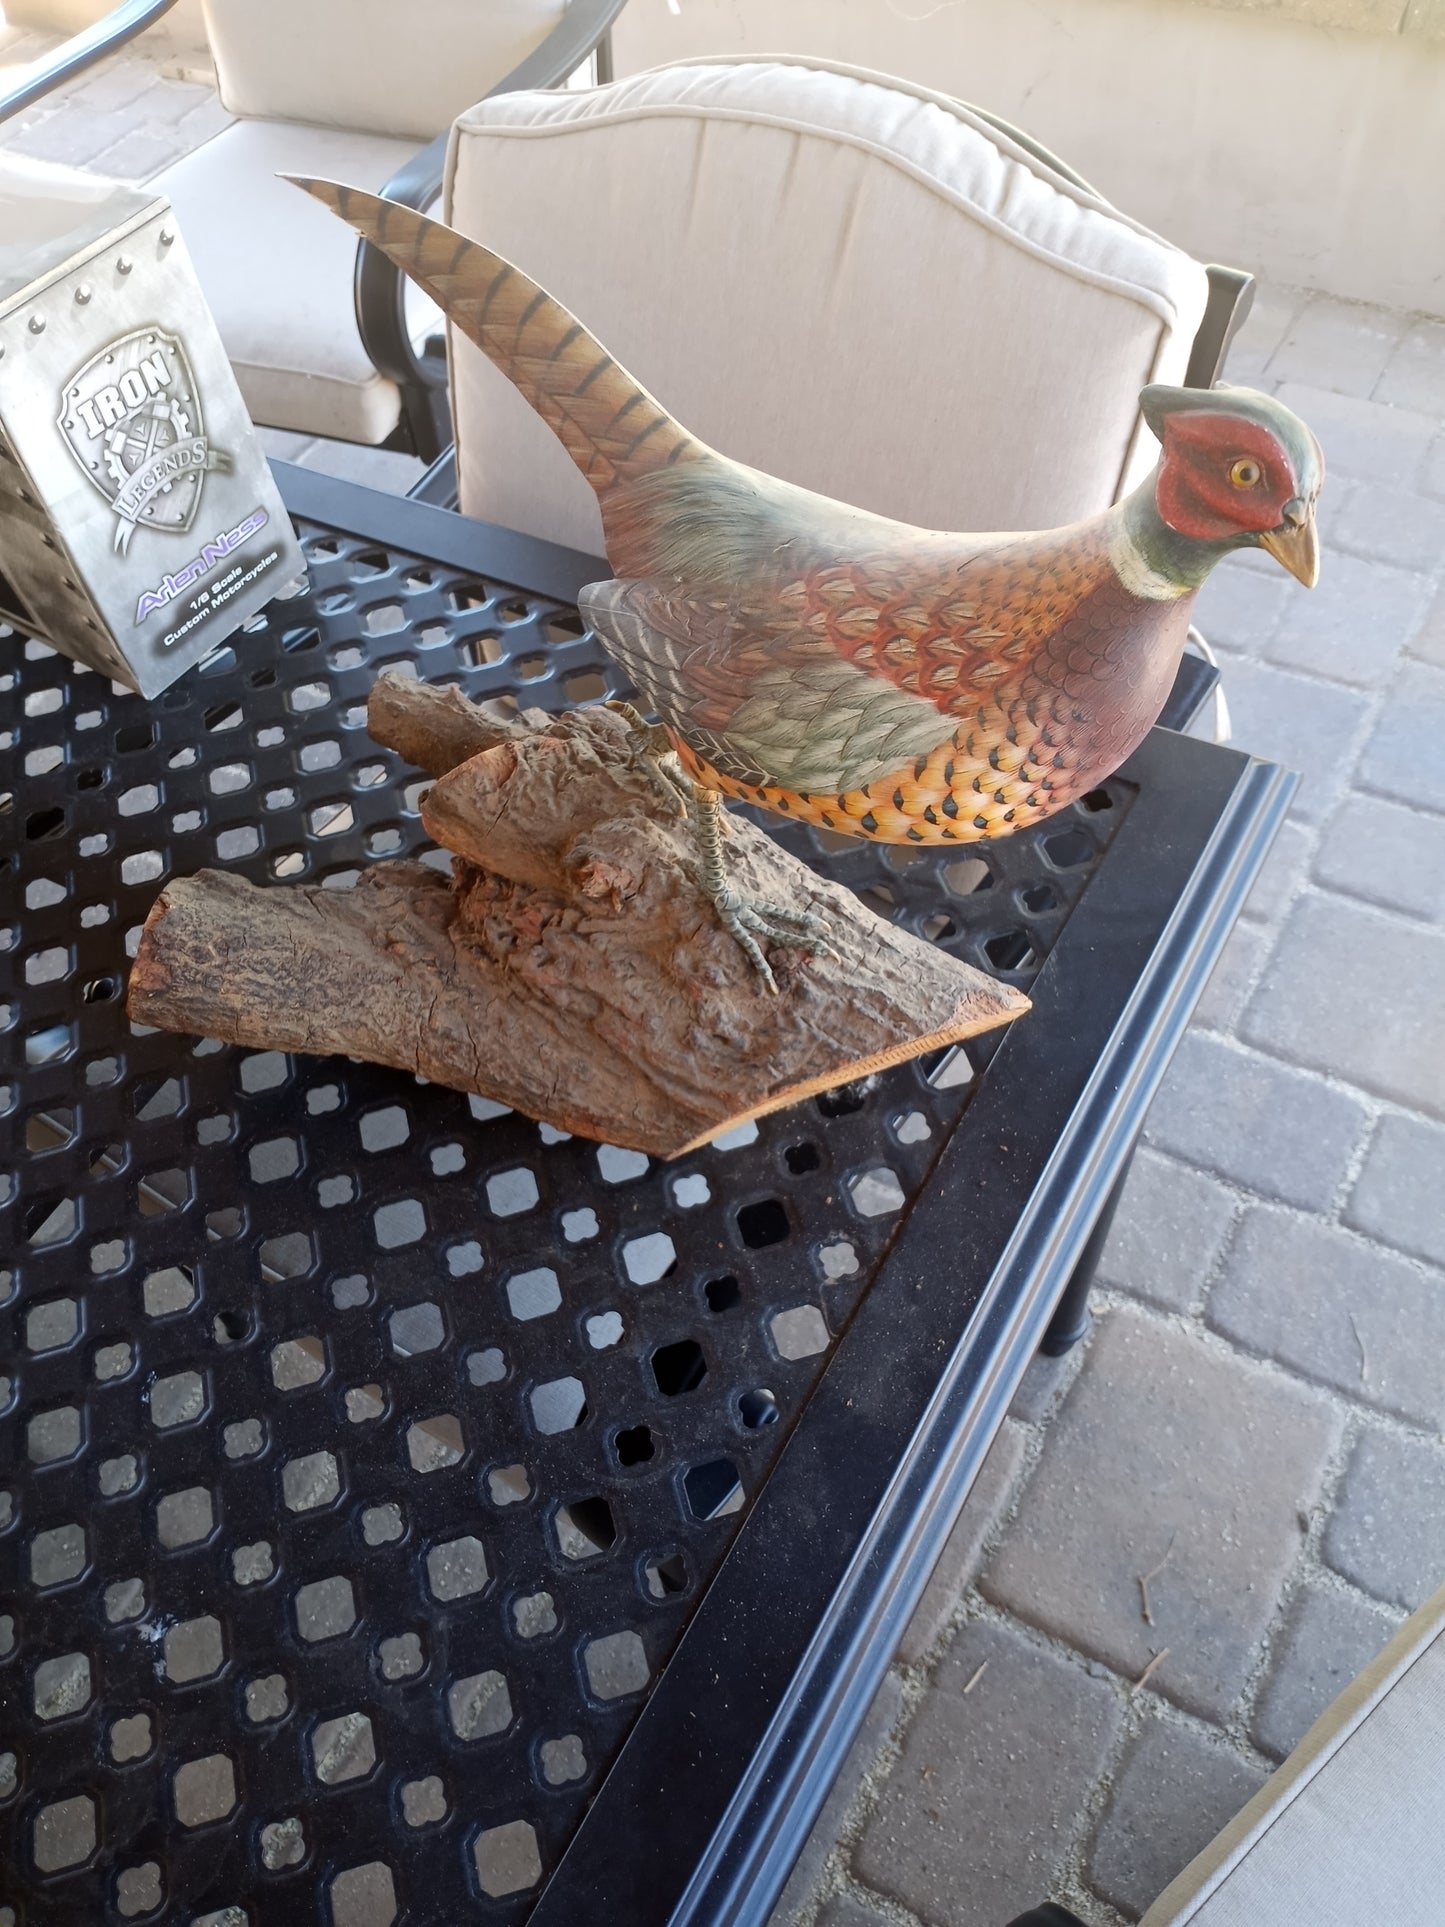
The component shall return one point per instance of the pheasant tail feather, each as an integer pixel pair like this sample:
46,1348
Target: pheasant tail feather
608,423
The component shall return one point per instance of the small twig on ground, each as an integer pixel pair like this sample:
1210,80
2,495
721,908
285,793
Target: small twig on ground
1151,1669
1144,1577
1364,1355
976,1678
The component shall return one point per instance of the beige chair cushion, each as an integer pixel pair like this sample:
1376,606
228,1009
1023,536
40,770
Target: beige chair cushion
1351,1831
277,269
401,67
846,280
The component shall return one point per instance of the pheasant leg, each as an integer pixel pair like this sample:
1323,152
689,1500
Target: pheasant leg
745,921
654,755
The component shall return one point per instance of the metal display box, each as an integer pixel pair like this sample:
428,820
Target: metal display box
139,523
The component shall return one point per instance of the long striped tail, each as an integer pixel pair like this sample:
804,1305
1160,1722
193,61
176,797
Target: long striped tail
608,423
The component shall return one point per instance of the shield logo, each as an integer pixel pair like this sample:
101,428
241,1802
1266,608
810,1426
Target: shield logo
131,417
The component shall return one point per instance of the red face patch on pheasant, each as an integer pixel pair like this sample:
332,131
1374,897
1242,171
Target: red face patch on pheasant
1221,474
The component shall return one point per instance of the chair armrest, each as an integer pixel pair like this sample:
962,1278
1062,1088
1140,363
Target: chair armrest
82,50
1231,296
380,286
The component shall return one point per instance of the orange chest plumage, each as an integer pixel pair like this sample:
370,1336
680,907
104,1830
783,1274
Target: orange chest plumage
1053,680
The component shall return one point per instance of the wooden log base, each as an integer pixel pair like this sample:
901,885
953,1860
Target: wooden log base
570,967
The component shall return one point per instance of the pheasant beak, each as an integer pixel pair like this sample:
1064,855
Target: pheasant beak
1294,544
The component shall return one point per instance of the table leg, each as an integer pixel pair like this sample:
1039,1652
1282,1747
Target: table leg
1050,1916
1071,1317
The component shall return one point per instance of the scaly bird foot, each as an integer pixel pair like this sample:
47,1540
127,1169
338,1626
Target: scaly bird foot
743,920
653,755
746,922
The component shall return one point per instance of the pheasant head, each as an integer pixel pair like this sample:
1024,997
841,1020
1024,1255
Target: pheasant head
1237,470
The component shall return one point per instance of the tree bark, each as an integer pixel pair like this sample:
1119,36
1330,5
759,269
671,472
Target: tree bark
570,968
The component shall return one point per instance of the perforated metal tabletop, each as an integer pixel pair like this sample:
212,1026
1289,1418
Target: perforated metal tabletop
370,1457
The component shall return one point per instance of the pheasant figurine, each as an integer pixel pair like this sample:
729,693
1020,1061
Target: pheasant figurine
875,679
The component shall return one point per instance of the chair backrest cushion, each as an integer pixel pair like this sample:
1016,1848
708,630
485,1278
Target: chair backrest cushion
844,279
375,66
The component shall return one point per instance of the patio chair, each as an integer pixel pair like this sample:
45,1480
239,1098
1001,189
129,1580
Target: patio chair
1351,1829
851,281
318,331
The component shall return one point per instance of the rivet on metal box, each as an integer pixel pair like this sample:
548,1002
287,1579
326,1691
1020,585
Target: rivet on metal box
139,524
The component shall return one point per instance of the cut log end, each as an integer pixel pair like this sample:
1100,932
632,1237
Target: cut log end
570,968
967,1024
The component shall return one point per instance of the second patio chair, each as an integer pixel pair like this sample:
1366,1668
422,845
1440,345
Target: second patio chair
347,90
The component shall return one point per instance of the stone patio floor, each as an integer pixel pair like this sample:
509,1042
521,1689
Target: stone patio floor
1194,1530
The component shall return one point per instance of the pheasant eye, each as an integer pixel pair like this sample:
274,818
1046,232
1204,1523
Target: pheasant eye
1244,474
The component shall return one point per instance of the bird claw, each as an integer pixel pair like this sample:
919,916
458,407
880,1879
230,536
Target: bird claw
653,756
745,922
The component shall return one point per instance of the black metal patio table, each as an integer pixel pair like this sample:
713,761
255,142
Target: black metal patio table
410,1513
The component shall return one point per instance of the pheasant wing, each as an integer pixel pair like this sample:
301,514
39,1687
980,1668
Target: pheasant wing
757,696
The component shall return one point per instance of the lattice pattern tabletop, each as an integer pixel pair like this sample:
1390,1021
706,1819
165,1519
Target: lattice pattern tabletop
366,1448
